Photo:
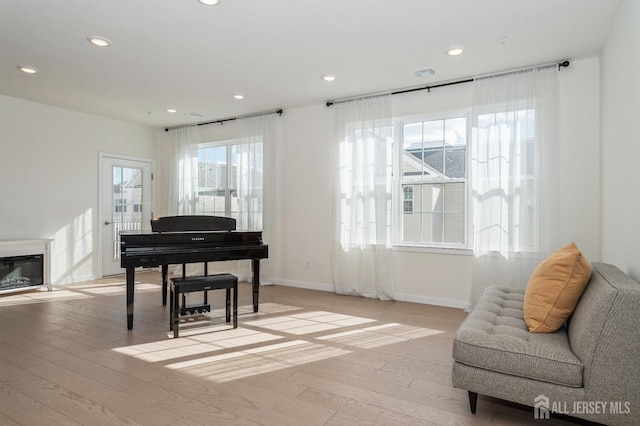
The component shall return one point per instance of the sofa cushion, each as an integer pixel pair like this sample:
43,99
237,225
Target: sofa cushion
494,336
555,288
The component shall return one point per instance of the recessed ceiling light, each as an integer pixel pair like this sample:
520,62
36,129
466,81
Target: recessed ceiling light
27,69
238,96
328,77
210,2
455,51
171,110
99,41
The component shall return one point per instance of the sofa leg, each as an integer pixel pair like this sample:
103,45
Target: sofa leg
473,399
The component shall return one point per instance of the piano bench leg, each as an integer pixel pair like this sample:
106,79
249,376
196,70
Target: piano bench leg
235,305
228,305
175,316
171,308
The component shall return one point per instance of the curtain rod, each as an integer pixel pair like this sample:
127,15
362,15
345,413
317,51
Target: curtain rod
223,120
449,83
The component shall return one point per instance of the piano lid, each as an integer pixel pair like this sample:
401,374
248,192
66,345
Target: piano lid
192,223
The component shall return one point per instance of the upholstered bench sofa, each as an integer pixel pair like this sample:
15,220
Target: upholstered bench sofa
589,368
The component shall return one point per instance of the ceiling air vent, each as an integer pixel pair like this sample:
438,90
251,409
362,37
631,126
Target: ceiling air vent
425,72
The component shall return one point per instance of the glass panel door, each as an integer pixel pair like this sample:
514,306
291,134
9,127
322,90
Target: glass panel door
125,204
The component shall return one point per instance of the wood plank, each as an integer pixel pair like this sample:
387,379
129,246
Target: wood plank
45,416
75,406
195,412
15,403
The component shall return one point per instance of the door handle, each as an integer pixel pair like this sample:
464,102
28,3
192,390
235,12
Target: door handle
106,222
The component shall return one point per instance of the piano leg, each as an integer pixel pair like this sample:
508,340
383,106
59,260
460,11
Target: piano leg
131,272
165,270
255,282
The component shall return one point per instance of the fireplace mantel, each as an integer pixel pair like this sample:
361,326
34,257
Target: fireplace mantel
30,246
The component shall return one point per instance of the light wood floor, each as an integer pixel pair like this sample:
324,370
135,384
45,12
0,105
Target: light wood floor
306,358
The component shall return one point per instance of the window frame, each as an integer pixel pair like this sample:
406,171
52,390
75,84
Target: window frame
399,182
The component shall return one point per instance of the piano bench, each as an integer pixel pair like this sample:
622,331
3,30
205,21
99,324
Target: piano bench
183,285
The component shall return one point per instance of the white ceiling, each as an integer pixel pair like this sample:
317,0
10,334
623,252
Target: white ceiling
181,54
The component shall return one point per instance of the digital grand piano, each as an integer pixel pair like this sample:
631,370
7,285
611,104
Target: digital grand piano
188,239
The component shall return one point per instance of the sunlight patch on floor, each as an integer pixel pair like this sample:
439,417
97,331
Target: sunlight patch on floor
236,365
82,290
308,322
380,335
40,296
105,290
269,308
202,343
213,350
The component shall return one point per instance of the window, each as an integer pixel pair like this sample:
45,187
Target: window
216,188
407,199
230,177
433,161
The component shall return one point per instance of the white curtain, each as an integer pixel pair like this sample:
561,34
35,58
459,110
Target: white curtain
362,216
256,149
514,176
183,184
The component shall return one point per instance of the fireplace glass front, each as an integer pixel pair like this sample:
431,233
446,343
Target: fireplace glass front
21,271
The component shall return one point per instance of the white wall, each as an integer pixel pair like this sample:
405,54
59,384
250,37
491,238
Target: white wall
305,190
49,178
579,150
304,198
620,141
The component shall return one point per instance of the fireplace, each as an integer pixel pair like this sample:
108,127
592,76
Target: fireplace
24,264
21,271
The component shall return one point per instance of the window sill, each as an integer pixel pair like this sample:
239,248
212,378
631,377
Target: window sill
432,249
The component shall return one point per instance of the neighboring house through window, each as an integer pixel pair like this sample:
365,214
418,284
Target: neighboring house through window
216,183
433,160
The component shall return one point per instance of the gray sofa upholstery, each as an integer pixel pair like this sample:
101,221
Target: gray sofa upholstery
590,368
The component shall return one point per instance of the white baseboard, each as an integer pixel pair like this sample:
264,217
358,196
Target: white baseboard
437,301
303,284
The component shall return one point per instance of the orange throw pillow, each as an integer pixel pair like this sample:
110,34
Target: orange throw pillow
555,289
